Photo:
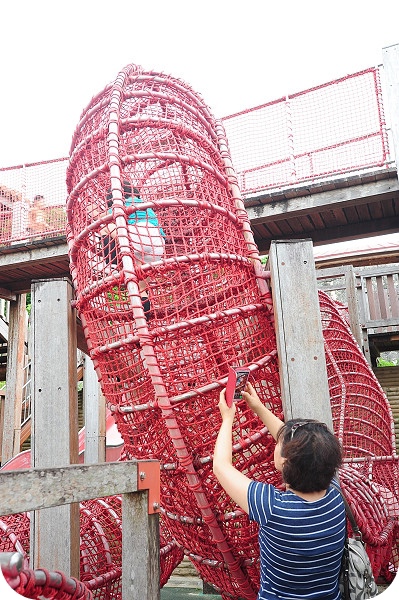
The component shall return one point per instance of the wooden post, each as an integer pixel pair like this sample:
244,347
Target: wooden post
94,408
140,570
353,304
139,484
14,378
300,343
390,57
54,419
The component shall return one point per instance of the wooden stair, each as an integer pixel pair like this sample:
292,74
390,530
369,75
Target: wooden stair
25,431
389,381
26,428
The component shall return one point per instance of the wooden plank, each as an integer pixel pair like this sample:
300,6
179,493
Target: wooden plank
300,343
7,295
377,270
34,255
382,298
393,294
54,418
330,272
371,304
3,329
34,489
14,378
371,324
94,408
353,305
309,203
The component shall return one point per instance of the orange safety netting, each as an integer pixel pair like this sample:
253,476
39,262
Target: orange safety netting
161,366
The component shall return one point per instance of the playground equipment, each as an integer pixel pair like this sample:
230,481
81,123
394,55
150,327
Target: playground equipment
210,307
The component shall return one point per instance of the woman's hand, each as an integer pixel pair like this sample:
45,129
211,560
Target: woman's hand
272,422
251,398
227,412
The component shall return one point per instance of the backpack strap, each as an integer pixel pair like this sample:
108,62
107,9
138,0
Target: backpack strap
349,513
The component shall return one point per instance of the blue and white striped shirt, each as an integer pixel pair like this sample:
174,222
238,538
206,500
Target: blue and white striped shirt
301,543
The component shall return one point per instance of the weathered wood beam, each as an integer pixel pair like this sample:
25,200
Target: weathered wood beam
7,294
300,342
15,379
38,488
342,197
55,418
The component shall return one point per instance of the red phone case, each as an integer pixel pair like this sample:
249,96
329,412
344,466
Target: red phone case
231,386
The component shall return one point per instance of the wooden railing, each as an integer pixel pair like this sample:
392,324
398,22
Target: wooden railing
371,295
139,484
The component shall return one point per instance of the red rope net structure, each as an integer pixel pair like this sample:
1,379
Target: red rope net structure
317,134
168,300
100,553
41,583
166,309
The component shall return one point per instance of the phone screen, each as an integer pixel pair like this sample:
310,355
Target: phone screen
241,382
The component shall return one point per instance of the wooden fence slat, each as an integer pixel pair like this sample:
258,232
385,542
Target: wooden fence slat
393,296
382,298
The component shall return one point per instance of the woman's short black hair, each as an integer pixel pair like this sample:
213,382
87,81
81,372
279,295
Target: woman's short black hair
312,454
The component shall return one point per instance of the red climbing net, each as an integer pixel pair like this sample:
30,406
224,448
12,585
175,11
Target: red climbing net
162,366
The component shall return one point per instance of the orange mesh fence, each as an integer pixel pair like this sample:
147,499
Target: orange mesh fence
335,128
310,135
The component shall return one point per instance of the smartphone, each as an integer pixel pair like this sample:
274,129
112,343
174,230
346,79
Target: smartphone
236,382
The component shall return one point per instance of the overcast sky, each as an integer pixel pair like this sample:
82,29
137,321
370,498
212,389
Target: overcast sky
56,55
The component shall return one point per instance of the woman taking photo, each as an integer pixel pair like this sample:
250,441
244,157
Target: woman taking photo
301,529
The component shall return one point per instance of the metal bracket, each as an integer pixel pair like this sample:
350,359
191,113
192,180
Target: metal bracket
149,478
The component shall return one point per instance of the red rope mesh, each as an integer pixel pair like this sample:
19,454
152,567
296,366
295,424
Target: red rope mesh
161,371
100,548
49,584
210,307
334,128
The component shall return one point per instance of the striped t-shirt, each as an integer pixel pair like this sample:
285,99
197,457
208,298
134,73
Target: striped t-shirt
301,542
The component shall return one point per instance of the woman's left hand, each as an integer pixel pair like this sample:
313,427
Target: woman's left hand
227,412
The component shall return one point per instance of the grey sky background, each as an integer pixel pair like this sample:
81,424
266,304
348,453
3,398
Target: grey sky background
56,55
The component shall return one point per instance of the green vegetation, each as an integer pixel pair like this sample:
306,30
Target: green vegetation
382,362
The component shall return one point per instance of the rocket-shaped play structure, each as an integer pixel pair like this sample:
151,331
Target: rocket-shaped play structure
171,291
